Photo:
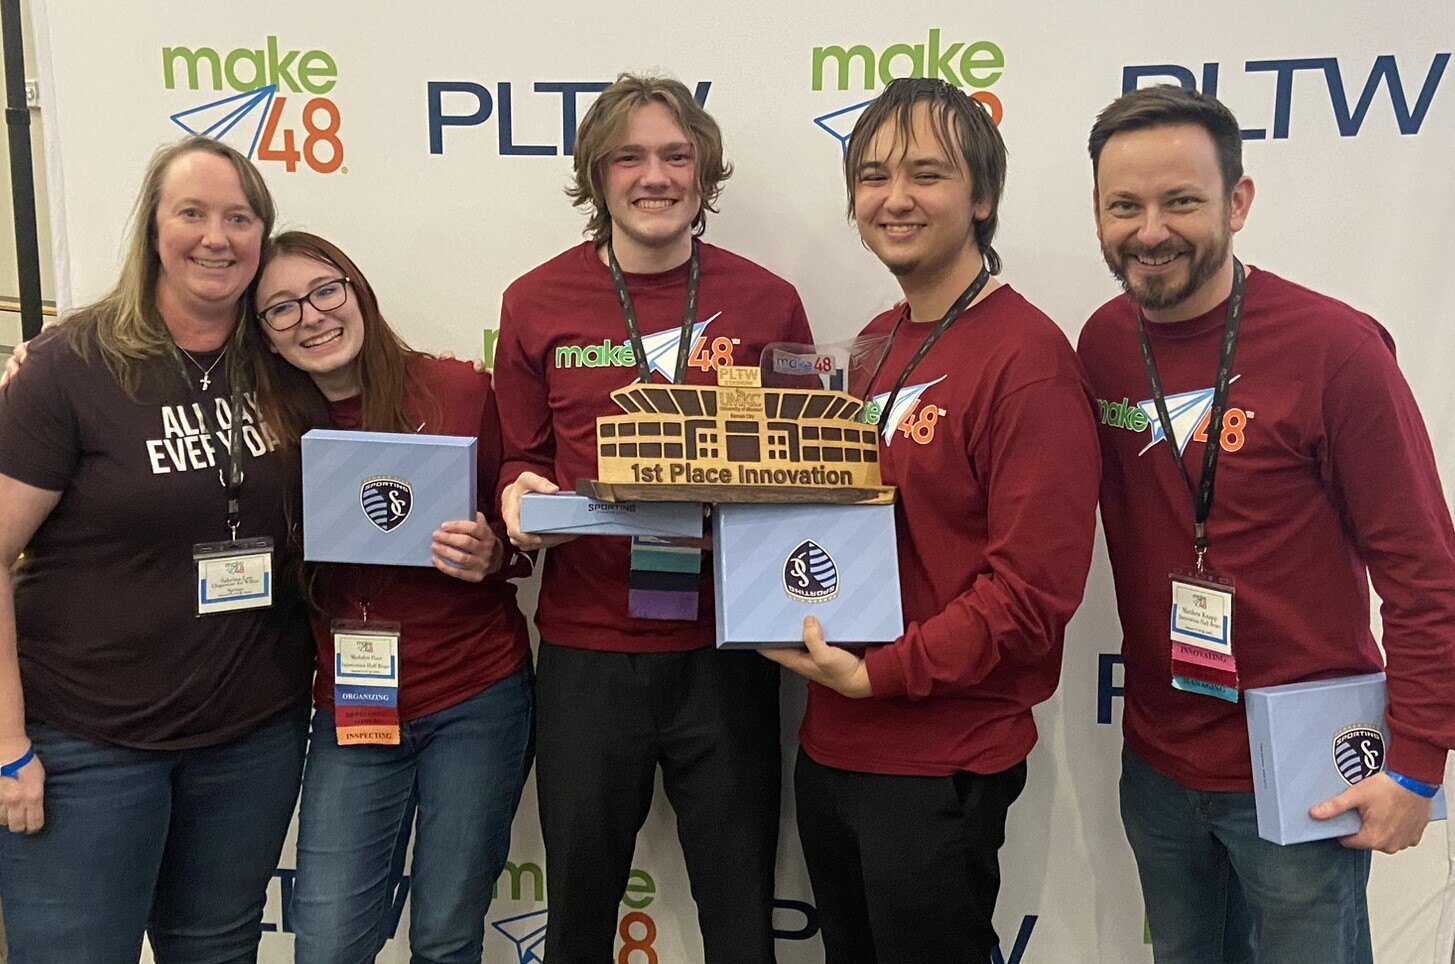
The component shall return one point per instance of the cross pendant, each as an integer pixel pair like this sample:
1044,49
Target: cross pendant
206,380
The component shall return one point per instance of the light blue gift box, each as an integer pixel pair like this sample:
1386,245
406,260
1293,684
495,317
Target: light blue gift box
565,512
1305,738
775,564
354,484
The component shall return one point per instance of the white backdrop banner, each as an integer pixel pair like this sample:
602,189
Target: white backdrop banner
432,140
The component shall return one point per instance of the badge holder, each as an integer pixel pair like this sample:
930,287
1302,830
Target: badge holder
1202,634
366,682
232,575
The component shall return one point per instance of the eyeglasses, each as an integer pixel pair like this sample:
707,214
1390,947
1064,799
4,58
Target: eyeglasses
287,314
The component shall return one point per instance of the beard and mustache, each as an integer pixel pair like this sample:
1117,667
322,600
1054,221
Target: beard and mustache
1161,293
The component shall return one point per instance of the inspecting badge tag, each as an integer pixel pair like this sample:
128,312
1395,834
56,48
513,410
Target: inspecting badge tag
1201,631
366,682
236,574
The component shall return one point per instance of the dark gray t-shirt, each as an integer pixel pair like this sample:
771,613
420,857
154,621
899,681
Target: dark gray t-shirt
111,646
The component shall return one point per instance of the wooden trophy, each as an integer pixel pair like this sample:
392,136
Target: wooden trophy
736,442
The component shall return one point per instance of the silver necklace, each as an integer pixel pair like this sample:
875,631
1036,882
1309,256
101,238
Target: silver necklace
206,372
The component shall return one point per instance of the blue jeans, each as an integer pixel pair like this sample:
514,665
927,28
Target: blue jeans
462,769
180,844
1217,892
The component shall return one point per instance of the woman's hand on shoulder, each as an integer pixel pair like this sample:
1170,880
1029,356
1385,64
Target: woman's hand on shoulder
478,363
13,363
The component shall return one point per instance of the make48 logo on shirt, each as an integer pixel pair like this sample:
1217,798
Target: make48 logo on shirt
1191,415
910,419
918,425
706,354
712,357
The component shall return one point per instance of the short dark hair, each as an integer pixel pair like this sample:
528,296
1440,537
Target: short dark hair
1166,105
975,139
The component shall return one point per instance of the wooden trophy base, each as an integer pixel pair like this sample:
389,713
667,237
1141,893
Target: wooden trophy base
688,492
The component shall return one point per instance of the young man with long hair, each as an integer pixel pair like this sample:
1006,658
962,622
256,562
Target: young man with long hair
912,752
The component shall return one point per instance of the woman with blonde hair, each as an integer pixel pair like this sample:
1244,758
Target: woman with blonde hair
154,662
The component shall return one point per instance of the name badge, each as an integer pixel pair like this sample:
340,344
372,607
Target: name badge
1201,630
366,682
232,575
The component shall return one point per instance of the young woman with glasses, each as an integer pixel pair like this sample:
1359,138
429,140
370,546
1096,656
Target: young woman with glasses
464,740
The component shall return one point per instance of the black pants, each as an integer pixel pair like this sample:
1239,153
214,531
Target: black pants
604,722
904,869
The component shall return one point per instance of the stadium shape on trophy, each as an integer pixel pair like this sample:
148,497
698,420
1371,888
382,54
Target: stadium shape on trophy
736,442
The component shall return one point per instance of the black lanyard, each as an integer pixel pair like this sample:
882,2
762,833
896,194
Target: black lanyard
633,329
941,326
232,475
1202,498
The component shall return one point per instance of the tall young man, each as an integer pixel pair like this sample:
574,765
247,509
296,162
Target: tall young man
913,752
626,684
1325,474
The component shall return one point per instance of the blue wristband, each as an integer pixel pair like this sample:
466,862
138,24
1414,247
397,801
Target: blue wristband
1425,790
11,770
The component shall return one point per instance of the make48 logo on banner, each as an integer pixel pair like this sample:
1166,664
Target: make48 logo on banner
278,109
321,148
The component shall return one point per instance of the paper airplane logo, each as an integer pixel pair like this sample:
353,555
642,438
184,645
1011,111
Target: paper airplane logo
662,347
840,123
528,933
222,120
1187,410
904,403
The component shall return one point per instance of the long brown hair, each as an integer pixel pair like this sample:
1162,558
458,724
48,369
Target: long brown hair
292,404
288,398
124,327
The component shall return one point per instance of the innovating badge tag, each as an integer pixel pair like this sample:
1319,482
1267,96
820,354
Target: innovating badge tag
237,574
1202,636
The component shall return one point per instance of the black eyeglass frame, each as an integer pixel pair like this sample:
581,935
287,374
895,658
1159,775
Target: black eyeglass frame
342,279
